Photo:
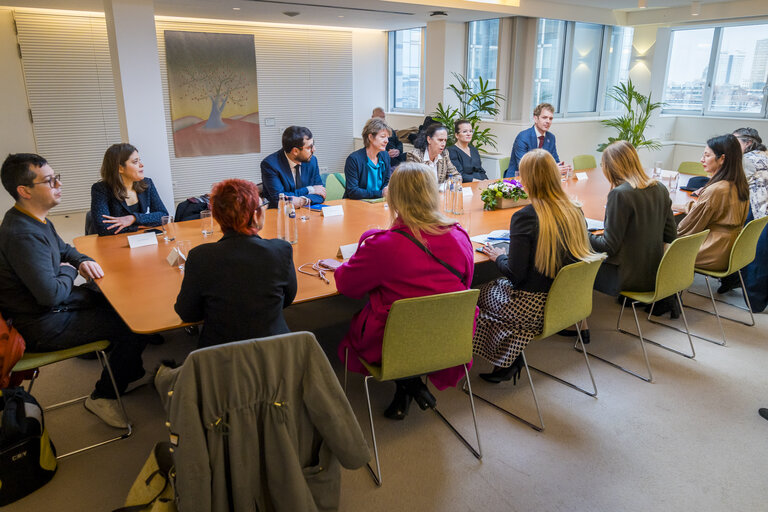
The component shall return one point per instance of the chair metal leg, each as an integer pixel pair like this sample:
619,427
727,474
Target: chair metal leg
579,341
376,475
686,331
716,314
746,301
479,452
649,378
346,362
540,426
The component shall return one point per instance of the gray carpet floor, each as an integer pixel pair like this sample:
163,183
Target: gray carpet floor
692,440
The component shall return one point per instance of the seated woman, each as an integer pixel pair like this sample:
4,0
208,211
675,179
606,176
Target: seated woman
430,150
638,222
214,274
464,155
723,203
376,270
544,236
755,155
124,199
367,169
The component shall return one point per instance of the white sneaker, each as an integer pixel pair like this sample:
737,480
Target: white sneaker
108,411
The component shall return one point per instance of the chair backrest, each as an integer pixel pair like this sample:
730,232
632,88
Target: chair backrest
694,168
743,250
570,297
584,162
503,164
333,188
342,179
90,227
426,334
675,271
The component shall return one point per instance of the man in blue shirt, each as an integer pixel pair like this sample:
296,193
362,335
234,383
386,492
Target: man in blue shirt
293,170
537,136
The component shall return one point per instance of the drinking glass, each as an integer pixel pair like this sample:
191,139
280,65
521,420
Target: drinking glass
657,170
169,228
206,222
183,247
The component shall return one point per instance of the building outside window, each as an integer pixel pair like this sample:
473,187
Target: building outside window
406,70
483,51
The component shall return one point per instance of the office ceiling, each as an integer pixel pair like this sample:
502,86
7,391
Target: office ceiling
396,14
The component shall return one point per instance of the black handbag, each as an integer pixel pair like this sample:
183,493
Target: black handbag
27,455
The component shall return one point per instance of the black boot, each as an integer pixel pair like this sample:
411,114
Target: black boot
416,388
571,333
398,409
668,305
729,282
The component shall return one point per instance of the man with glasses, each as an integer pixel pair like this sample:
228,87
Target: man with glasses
537,136
293,170
37,292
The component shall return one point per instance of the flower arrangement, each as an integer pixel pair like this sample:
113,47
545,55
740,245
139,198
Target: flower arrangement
508,188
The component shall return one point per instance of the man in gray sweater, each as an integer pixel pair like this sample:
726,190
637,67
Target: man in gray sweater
37,292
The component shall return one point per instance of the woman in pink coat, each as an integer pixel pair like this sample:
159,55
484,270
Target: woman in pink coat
393,264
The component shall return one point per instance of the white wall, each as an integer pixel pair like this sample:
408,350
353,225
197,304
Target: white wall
369,76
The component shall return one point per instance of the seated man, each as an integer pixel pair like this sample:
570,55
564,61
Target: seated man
537,136
394,147
293,170
37,272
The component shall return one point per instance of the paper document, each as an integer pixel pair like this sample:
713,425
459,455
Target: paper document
594,224
500,235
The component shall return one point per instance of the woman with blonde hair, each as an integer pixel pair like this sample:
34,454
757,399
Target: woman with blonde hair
367,170
439,259
638,222
546,235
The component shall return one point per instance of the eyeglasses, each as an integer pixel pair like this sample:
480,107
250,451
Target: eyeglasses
51,181
263,204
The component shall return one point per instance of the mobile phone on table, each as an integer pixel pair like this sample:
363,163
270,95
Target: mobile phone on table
153,230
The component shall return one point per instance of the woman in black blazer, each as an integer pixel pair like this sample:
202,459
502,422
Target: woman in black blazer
124,199
465,156
239,285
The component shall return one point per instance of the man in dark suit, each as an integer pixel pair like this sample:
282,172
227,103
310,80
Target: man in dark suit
293,170
394,147
537,136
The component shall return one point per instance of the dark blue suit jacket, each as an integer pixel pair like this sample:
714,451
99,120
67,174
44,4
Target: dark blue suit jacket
277,177
525,141
104,202
356,174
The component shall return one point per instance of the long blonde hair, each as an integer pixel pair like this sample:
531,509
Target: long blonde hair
414,200
561,223
621,164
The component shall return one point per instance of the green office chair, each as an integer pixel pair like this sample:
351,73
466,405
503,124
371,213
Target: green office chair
742,254
569,302
342,179
503,164
694,168
674,275
424,335
36,360
333,188
584,162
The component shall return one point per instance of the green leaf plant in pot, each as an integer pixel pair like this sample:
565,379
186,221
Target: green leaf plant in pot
477,101
632,124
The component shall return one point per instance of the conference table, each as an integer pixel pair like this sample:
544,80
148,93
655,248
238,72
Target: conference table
142,286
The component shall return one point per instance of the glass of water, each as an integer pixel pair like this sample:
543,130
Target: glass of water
206,222
183,247
169,228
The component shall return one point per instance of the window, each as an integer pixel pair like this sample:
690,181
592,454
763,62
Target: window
483,51
718,70
577,63
406,65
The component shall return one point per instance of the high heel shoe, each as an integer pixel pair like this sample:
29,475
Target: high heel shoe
398,409
501,374
416,388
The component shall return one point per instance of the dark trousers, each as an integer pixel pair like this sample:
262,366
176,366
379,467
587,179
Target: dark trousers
84,317
756,273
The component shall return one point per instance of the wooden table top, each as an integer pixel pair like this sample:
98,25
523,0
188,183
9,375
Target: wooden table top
142,286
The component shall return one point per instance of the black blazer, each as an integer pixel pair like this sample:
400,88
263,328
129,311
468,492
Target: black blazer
470,166
104,202
238,286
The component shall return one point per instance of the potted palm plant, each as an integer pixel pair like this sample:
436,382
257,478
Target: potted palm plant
632,124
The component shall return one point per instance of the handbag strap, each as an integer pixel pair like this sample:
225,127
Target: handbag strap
424,248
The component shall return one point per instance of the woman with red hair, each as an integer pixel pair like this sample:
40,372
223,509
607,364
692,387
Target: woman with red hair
239,285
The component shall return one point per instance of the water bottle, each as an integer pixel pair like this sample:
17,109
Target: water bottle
281,217
448,196
291,226
458,197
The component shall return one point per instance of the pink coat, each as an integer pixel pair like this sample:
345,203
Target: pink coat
388,266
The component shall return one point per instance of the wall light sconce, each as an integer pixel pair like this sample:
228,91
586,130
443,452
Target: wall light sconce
695,8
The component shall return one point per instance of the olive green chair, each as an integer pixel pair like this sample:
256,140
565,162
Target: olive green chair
674,275
569,301
742,254
503,164
425,335
694,168
334,189
584,162
32,361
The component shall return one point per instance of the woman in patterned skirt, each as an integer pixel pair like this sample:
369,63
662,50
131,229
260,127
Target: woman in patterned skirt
543,237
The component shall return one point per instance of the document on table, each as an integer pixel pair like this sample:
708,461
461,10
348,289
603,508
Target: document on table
594,225
500,235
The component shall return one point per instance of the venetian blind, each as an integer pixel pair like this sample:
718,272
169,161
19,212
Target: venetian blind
71,94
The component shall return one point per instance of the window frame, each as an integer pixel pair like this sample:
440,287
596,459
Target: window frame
498,53
391,63
714,60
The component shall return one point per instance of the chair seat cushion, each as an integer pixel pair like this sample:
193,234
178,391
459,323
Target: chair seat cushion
37,359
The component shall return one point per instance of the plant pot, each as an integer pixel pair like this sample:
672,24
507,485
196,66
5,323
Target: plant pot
511,203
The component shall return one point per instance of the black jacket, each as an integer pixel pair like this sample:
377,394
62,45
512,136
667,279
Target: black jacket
238,286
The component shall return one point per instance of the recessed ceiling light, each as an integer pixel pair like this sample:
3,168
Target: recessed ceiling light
641,4
341,16
695,8
438,13
235,8
291,14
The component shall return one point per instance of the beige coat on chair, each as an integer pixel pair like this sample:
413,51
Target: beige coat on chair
719,210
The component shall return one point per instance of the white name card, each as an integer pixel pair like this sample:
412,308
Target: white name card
173,257
141,240
346,251
333,211
466,191
582,176
668,174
